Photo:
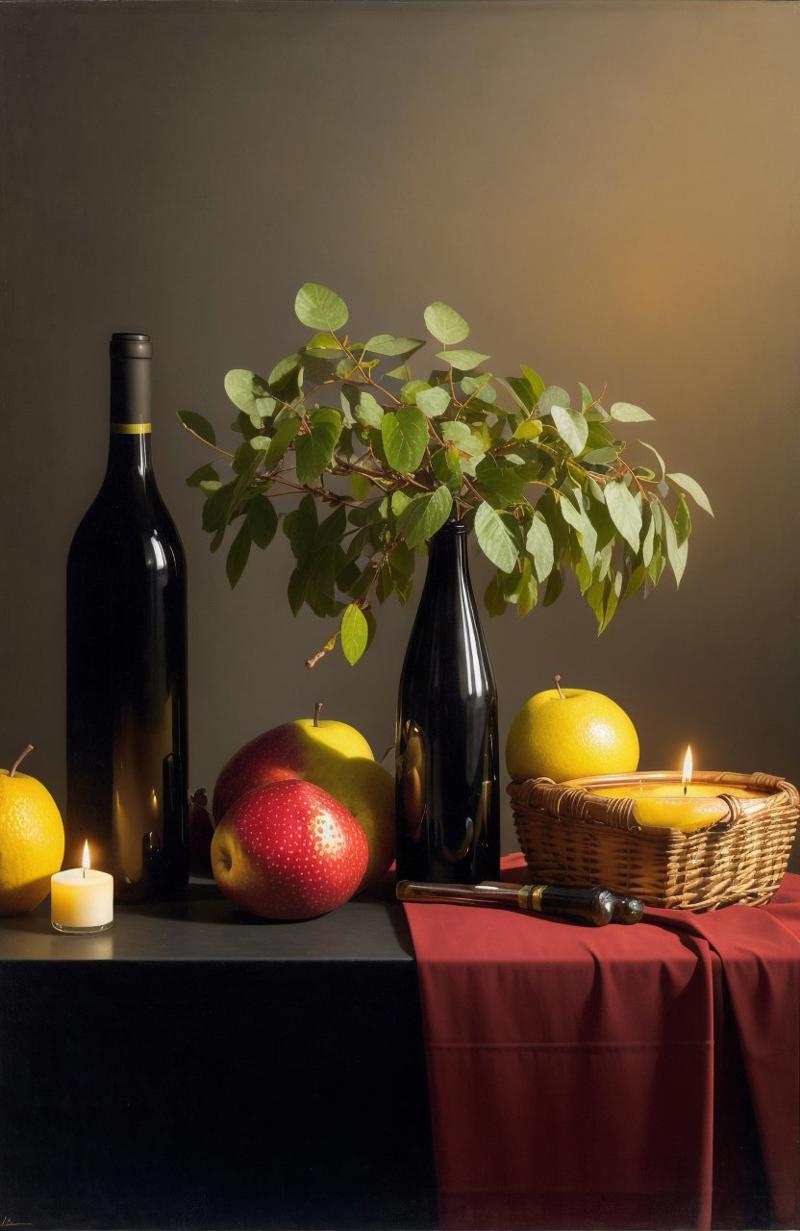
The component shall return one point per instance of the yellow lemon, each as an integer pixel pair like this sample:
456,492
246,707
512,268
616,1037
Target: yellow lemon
571,733
31,840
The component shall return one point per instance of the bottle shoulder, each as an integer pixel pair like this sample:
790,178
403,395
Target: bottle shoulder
121,525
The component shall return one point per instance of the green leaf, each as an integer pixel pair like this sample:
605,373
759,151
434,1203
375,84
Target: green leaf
690,485
579,520
474,386
285,433
263,520
600,457
534,380
360,486
528,429
625,512
283,369
586,396
648,542
324,342
595,597
528,592
198,426
388,344
245,390
613,589
683,521
494,598
205,474
215,509
368,409
445,324
463,360
657,565
433,402
320,308
539,542
495,538
552,396
331,529
300,527
521,392
354,633
462,437
238,554
626,412
555,584
657,456
424,515
677,554
571,427
314,450
405,438
446,465
500,481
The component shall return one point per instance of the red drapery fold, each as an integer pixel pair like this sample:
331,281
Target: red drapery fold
572,1071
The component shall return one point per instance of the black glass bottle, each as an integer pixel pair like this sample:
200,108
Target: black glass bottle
447,787
126,660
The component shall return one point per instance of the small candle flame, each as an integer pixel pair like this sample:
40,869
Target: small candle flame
686,775
86,861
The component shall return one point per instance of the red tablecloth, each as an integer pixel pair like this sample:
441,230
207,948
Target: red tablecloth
617,1077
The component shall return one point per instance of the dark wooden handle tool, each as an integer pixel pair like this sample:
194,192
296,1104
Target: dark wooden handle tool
589,903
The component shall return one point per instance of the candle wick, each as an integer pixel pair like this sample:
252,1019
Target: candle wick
685,787
83,870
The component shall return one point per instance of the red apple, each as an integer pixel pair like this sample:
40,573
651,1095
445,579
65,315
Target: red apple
332,755
288,851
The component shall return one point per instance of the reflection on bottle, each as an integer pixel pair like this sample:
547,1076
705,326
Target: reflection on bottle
447,796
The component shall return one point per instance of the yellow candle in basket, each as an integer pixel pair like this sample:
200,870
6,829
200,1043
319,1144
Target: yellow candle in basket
693,805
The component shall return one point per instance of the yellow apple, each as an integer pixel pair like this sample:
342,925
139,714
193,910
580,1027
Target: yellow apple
566,733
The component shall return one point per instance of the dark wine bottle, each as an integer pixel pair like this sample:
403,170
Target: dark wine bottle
126,660
447,784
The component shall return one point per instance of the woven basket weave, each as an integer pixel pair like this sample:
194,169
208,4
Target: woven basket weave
571,836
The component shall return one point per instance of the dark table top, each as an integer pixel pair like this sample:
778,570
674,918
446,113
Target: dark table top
196,1068
207,928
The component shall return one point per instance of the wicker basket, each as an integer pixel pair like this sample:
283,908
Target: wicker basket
571,836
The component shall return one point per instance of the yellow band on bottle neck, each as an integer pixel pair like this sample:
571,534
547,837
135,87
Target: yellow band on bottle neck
132,429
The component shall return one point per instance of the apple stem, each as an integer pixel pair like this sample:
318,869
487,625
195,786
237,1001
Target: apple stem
28,748
317,712
561,692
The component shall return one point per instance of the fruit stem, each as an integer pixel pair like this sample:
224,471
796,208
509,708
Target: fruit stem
561,692
28,748
317,712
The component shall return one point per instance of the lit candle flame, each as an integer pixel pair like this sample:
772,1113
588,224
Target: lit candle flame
86,861
686,776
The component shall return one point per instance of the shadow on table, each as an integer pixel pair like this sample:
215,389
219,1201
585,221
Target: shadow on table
204,903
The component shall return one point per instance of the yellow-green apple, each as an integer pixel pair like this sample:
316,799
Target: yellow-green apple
288,851
564,733
332,755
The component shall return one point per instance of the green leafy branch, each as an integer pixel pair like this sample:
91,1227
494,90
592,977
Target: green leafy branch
380,459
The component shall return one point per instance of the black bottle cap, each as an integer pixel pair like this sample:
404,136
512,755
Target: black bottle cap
130,346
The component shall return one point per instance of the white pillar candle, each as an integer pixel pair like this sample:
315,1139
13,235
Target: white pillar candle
81,899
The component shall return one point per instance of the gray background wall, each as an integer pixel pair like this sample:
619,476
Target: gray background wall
608,191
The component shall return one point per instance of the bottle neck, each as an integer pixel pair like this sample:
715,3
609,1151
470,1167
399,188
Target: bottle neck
129,455
448,564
